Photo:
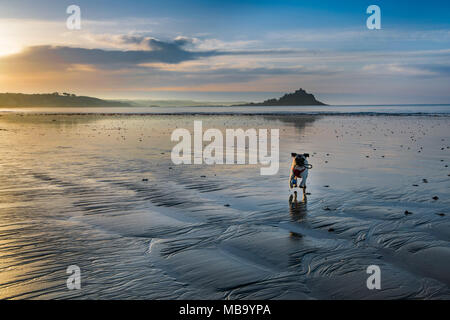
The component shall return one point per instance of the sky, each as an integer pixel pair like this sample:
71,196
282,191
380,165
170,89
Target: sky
229,50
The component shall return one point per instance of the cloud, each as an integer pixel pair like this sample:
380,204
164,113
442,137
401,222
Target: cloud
56,57
436,69
147,50
356,35
133,41
397,69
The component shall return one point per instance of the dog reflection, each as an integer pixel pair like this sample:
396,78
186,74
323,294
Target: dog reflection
297,208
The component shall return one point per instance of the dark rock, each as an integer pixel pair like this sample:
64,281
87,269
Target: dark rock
331,230
145,179
407,212
435,198
298,98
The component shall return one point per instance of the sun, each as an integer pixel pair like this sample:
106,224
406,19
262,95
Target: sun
8,48
8,42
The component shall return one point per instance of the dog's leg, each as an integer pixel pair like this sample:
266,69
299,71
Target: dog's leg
304,176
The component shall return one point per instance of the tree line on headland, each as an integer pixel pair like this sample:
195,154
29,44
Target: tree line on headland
55,99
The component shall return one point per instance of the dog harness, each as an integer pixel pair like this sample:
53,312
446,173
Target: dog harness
298,171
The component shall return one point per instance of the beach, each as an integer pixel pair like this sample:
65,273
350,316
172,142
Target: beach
100,191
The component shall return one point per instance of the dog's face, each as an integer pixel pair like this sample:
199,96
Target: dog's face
300,158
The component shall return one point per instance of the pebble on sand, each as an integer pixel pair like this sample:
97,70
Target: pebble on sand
424,180
407,212
145,179
226,205
435,198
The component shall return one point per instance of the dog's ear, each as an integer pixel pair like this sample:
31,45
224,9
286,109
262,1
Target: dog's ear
293,154
306,155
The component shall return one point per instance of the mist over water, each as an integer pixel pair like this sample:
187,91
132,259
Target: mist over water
100,191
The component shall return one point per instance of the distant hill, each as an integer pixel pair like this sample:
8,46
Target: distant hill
55,100
298,98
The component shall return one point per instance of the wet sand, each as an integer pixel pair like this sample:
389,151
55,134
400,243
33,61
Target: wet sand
100,191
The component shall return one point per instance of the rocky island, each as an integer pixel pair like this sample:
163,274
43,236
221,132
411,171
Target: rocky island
298,98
